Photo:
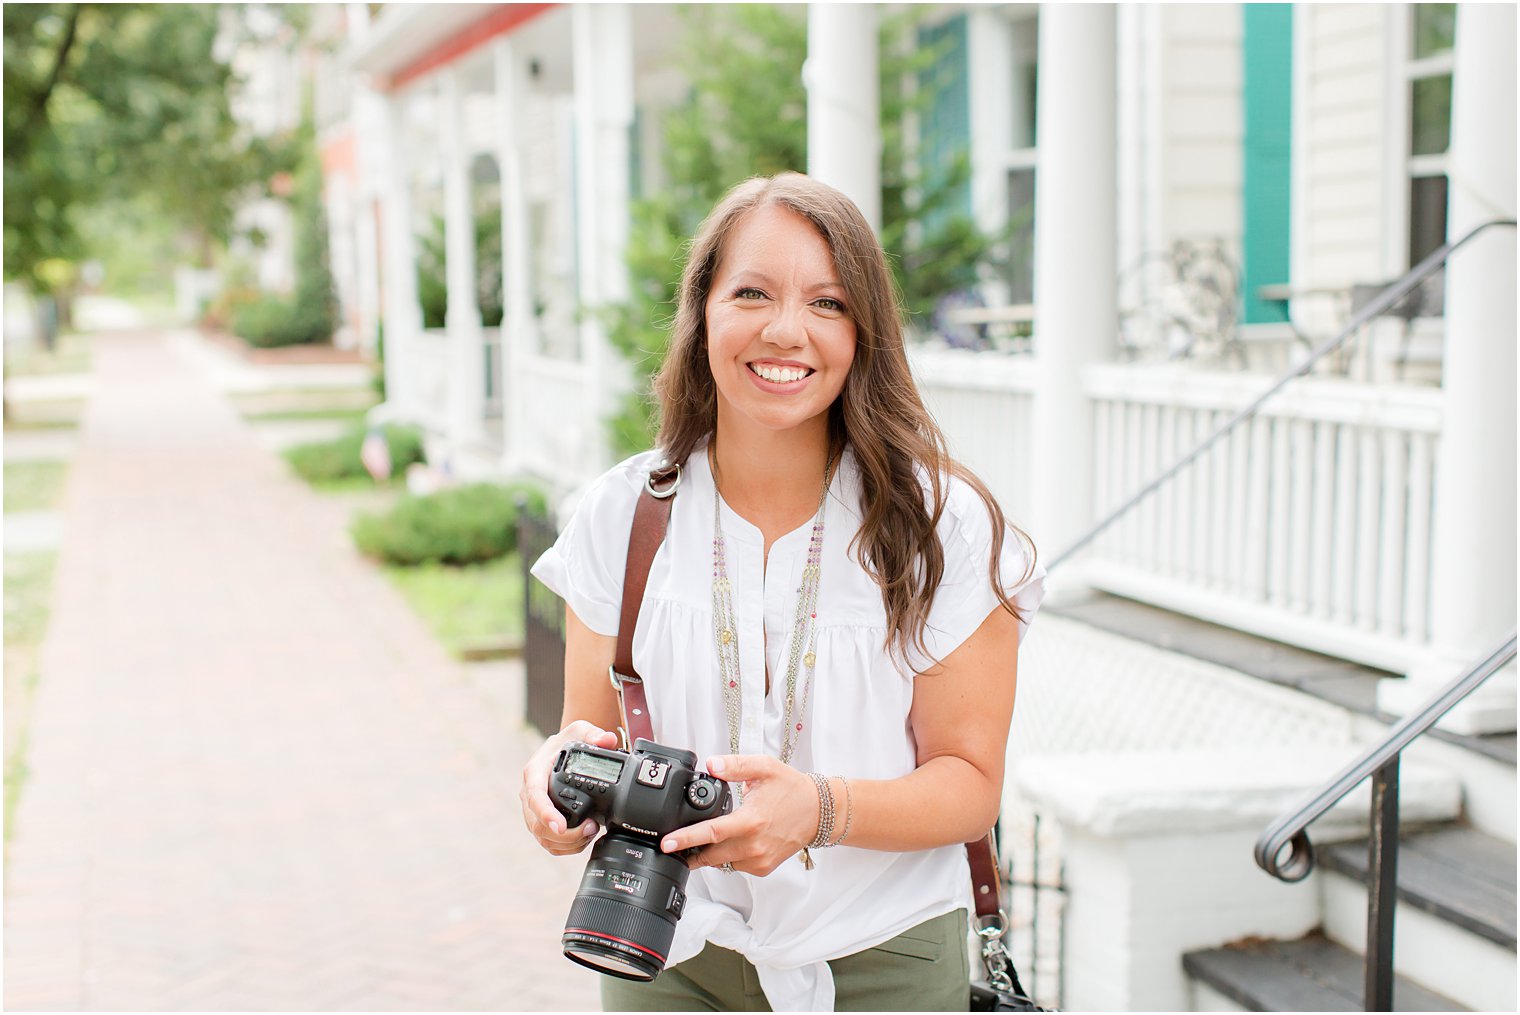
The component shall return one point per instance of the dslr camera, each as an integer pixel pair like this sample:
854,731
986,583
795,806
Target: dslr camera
624,914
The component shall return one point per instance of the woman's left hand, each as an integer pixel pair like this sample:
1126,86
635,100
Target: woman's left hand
779,816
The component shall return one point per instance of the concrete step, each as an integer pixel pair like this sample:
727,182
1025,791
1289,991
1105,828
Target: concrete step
1485,765
1309,974
1458,874
1454,928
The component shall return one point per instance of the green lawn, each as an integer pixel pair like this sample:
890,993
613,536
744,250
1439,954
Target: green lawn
466,606
34,486
351,416
304,403
50,414
28,584
70,355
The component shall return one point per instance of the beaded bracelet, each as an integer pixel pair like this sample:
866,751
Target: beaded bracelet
825,811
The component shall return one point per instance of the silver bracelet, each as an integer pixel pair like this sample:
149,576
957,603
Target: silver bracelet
825,812
849,812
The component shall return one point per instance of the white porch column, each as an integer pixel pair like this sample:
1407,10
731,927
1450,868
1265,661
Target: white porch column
1075,259
517,334
402,311
844,102
367,238
989,43
461,317
1473,554
602,39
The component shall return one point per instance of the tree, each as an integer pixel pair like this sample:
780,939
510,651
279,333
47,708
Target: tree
115,102
746,115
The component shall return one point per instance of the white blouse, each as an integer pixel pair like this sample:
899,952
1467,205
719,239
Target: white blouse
792,921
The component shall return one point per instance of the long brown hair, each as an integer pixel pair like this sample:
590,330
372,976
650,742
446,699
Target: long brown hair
897,444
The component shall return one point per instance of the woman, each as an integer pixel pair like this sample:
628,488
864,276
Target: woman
833,619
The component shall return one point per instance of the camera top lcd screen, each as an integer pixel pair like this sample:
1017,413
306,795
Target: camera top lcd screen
605,769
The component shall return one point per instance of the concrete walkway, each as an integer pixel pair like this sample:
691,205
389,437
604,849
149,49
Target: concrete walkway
256,781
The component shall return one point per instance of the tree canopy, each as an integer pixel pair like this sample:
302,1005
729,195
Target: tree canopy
745,114
113,102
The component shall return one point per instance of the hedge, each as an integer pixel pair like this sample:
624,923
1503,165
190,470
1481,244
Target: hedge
338,459
460,525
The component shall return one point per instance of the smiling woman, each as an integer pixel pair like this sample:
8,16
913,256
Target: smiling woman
834,594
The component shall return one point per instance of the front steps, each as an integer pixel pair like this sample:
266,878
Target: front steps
1455,922
1454,932
1309,974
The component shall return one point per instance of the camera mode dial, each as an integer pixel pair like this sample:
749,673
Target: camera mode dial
702,794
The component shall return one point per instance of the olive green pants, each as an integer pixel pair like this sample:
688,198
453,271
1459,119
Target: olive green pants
922,969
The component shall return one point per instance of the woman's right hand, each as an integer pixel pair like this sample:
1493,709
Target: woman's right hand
547,824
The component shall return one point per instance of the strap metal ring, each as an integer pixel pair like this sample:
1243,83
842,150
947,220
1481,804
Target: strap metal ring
665,492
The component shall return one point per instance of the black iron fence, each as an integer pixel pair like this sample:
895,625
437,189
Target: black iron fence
1034,898
543,627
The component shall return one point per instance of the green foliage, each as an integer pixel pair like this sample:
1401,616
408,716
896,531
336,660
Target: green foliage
322,462
271,321
114,102
432,280
746,115
460,525
316,306
310,314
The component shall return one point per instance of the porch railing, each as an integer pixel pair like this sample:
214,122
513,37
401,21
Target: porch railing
1310,522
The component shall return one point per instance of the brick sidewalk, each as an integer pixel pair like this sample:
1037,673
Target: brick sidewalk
256,781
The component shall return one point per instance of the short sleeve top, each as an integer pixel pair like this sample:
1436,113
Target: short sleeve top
855,722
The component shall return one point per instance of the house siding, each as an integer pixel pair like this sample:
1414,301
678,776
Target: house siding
1343,143
1199,85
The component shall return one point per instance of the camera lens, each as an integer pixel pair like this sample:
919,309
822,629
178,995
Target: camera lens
624,914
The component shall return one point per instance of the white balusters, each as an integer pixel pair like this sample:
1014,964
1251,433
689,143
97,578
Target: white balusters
1300,535
1368,514
1417,554
1391,552
1280,543
1321,545
1343,543
1226,577
1258,546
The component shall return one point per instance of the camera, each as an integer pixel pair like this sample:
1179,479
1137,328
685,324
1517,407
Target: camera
624,914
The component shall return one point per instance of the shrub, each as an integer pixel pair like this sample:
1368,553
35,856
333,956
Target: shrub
461,525
271,321
338,459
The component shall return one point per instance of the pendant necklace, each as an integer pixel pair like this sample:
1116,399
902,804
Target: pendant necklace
802,654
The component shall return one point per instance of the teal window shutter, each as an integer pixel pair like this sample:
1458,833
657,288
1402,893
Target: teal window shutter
1267,52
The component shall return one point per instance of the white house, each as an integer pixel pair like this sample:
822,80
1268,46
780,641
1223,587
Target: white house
1196,195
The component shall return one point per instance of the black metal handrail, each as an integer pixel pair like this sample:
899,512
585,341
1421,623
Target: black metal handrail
1376,307
1289,834
1290,830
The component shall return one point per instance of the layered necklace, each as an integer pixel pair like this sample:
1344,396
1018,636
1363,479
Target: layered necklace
802,654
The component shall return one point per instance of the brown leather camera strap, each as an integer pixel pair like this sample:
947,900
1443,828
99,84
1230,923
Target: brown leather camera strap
651,519
986,884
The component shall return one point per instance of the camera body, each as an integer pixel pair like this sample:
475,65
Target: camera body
648,792
624,914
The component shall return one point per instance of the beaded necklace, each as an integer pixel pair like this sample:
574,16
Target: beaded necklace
804,630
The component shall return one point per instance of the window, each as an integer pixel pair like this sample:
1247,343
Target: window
1427,72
